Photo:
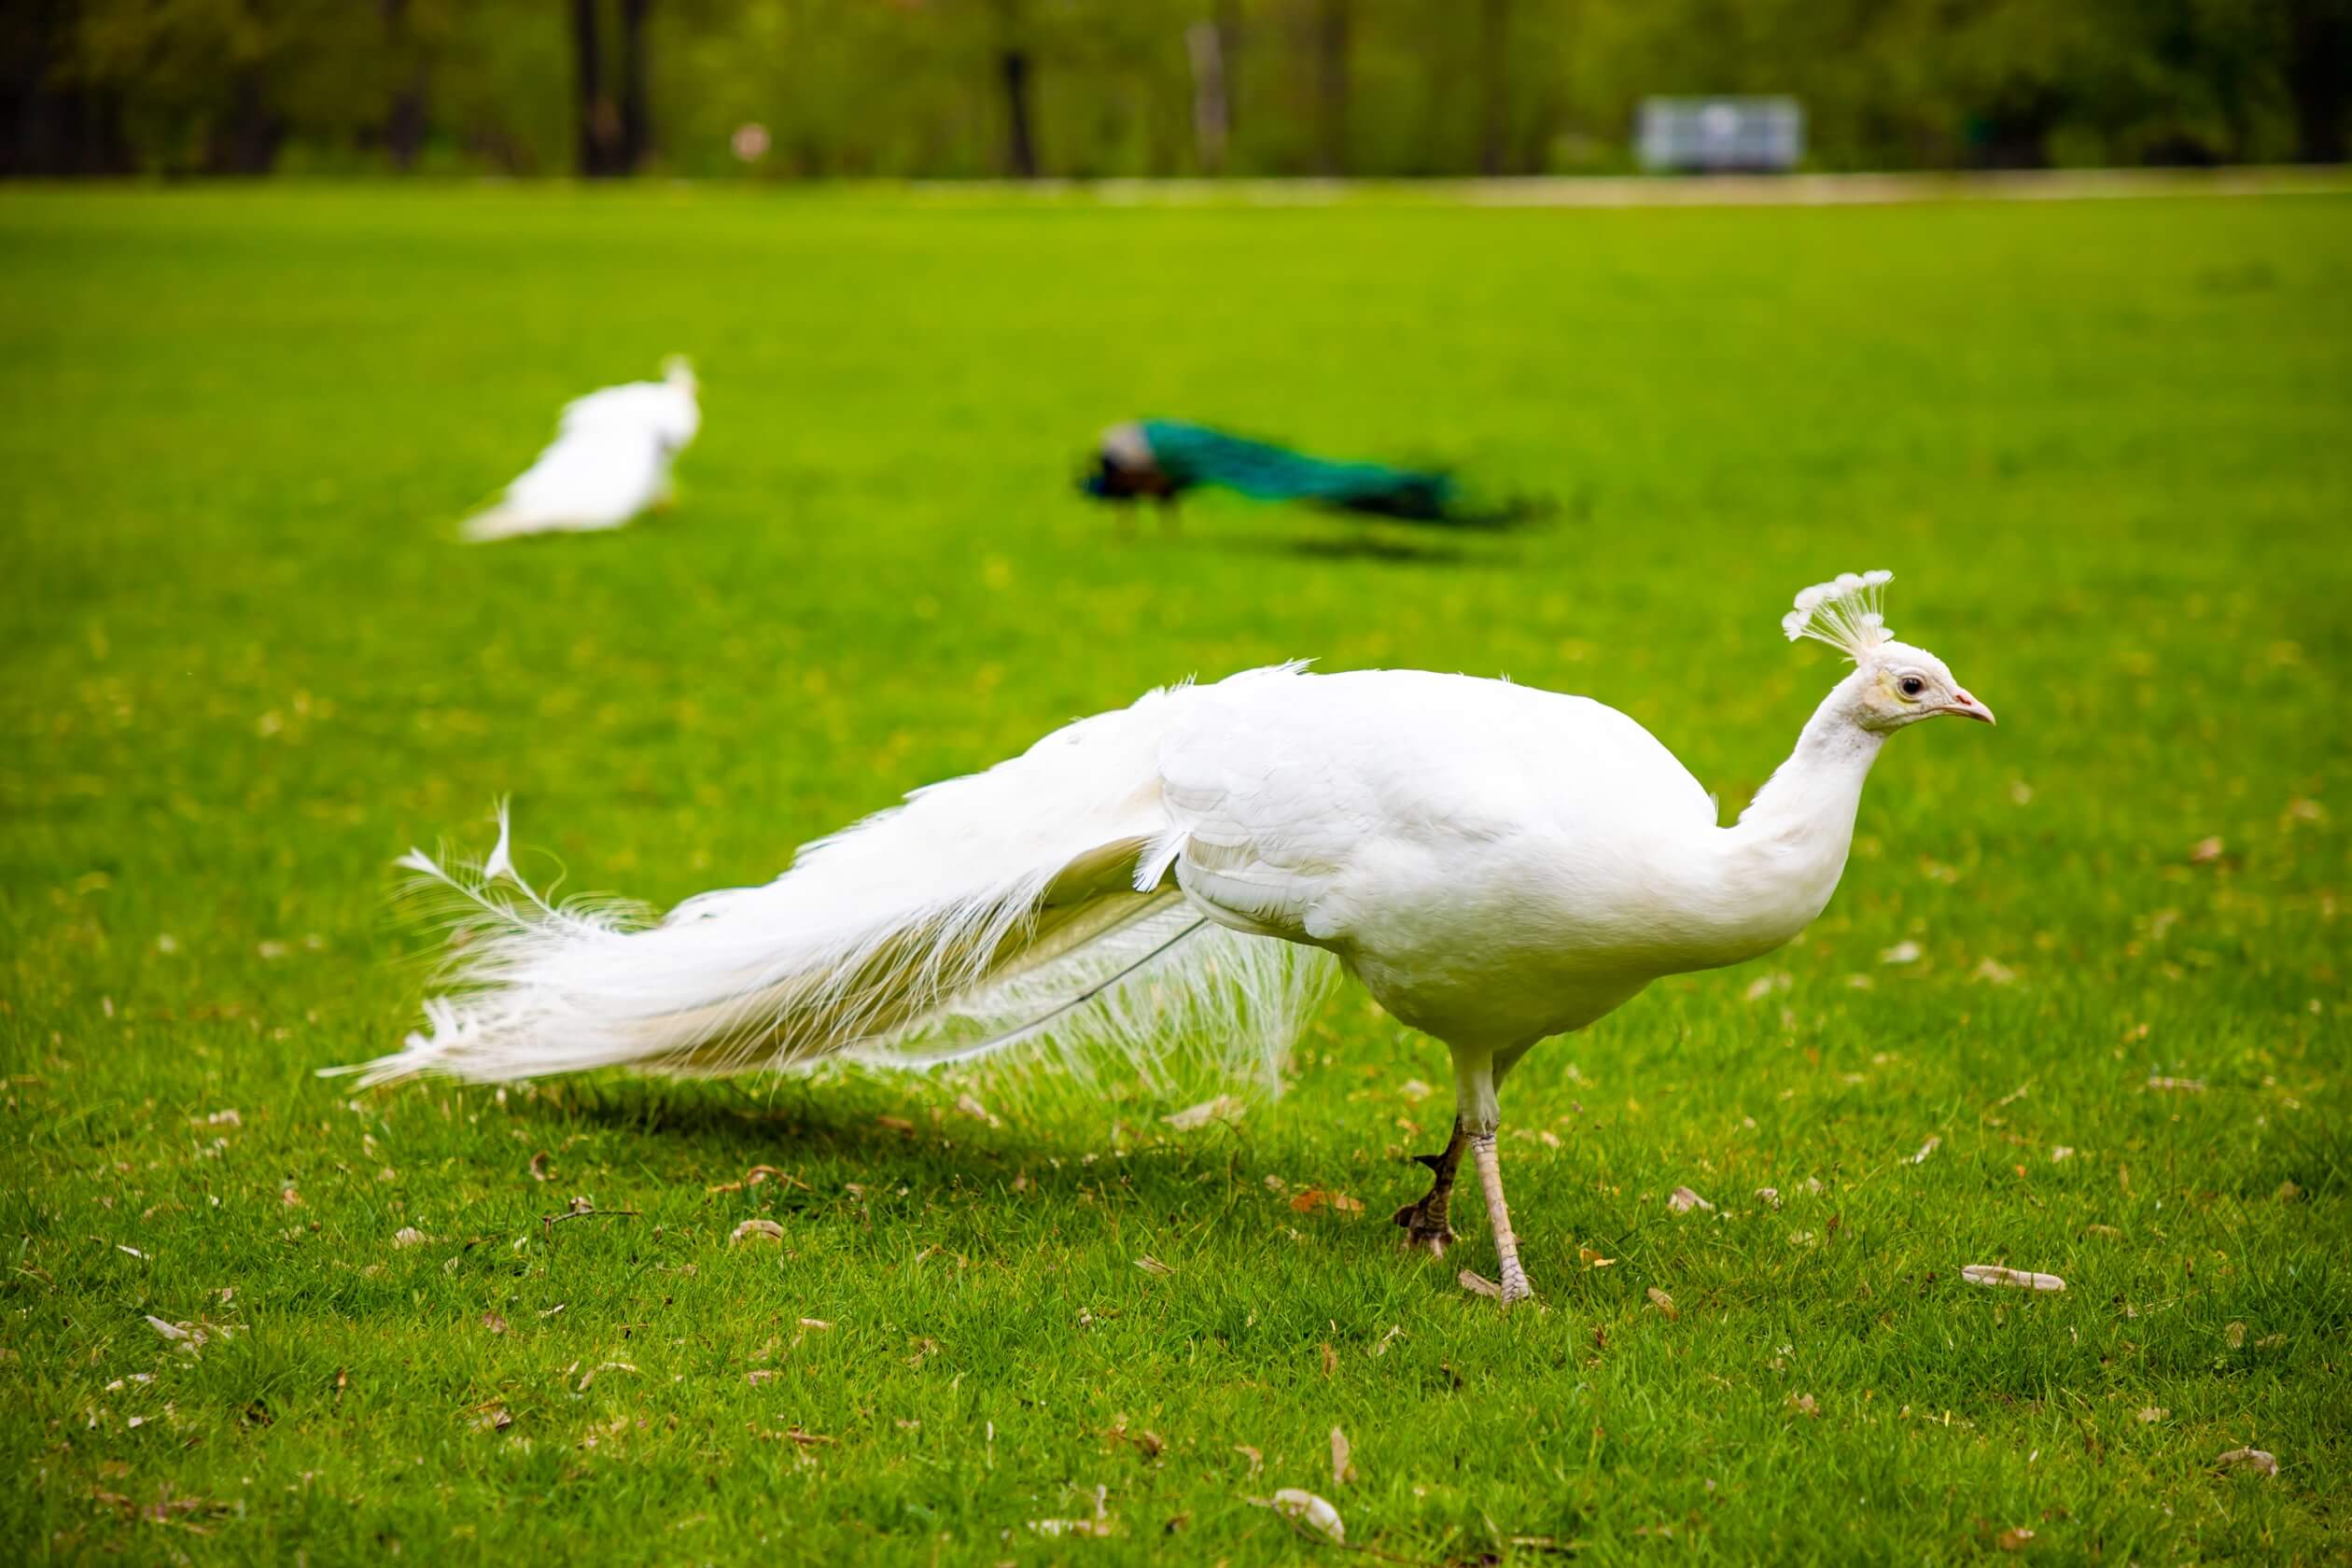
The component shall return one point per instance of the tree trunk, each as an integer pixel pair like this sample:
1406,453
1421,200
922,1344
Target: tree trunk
1331,86
1228,22
1207,50
1494,87
404,117
247,143
1020,146
404,124
636,118
595,108
2319,77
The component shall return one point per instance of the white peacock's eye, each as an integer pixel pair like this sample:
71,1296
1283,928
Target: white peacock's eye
1911,685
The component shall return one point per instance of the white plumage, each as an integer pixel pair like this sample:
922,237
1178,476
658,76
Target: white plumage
610,460
1496,863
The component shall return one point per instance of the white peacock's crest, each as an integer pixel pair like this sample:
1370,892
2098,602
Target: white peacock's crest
1847,614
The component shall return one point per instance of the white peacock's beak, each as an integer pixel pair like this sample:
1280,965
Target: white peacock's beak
1967,706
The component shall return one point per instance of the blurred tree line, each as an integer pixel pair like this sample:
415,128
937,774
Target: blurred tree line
1087,88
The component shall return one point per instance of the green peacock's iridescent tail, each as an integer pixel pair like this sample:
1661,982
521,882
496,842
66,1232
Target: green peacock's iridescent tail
1193,454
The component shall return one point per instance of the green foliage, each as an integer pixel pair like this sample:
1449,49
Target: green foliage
865,88
2100,444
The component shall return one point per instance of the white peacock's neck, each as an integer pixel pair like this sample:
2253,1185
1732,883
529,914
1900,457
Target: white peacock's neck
1777,866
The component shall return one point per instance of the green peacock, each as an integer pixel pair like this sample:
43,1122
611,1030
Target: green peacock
1162,458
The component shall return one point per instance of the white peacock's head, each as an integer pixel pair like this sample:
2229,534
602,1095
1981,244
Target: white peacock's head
1896,684
1900,685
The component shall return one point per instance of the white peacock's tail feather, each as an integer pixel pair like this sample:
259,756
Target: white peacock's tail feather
997,910
1848,614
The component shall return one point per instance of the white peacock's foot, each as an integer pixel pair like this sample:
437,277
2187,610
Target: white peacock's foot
1514,1281
1425,1227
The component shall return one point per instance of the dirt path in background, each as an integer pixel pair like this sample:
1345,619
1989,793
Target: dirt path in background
1715,191
1828,190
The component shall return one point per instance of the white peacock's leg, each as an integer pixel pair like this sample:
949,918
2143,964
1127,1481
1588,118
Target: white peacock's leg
1425,1223
1499,1216
1476,1074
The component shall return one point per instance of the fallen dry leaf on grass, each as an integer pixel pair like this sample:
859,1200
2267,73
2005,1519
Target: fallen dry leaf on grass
758,1174
763,1230
1925,1149
972,1107
759,1375
2177,1086
1664,1303
1151,1445
1342,1471
1479,1284
1330,1361
895,1124
1591,1259
493,1323
1311,1512
542,1166
1682,1200
590,1376
1804,1405
1768,1196
1992,1274
1151,1265
2251,1461
2151,1413
1225,1108
2016,1539
1312,1198
170,1331
493,1418
2207,850
1257,1460
1902,953
2234,1335
409,1235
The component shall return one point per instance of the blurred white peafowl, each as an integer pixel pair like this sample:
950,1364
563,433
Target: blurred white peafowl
1162,458
609,460
1496,863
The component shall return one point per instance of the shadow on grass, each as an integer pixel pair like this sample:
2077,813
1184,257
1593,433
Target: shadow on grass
728,1127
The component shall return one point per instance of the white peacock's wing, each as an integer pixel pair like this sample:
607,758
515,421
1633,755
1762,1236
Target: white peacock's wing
590,476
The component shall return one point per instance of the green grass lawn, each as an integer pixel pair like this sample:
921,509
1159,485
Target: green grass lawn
2103,446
